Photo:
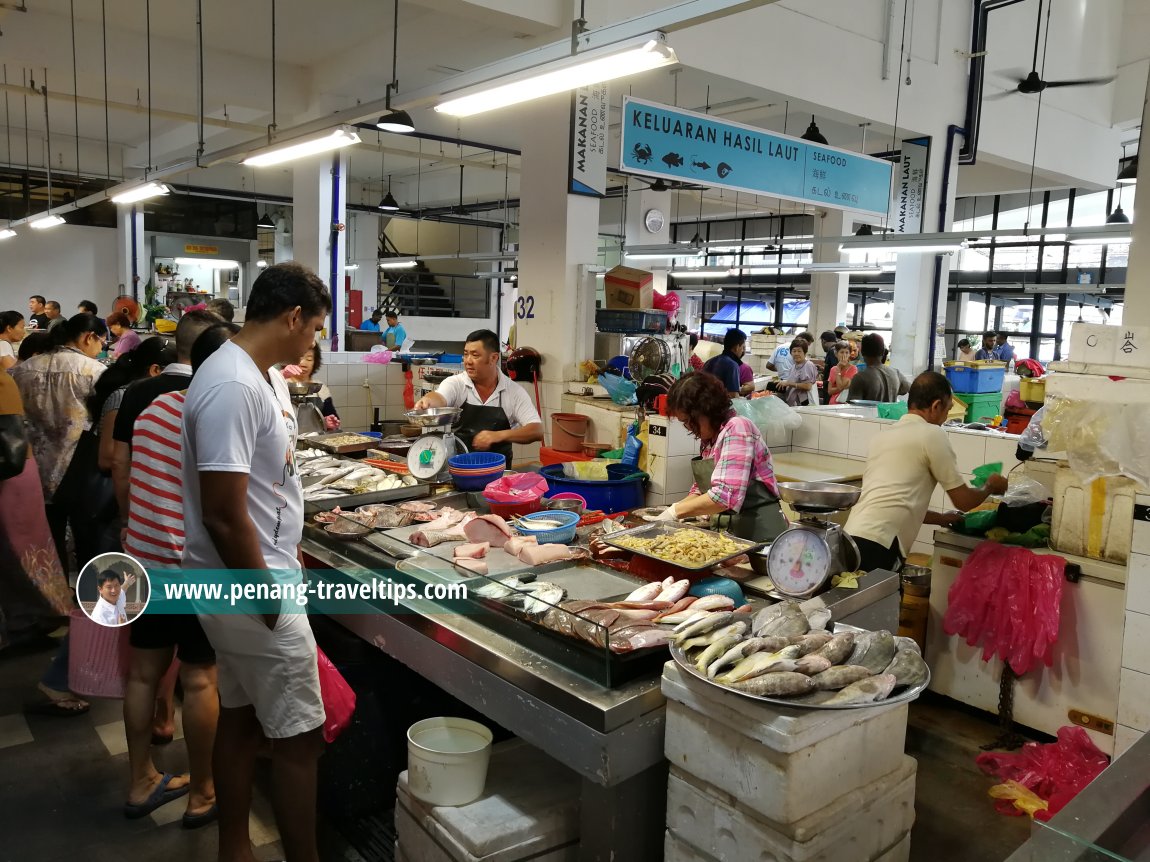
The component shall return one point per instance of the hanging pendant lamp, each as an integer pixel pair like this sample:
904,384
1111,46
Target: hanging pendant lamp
266,223
813,134
395,121
1129,173
1118,216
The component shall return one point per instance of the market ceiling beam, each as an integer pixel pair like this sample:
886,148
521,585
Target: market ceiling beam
533,17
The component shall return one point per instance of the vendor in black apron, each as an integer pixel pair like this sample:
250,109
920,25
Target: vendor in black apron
496,412
734,478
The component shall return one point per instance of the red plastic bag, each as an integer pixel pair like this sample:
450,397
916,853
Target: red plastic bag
1009,600
516,488
1054,772
668,302
338,698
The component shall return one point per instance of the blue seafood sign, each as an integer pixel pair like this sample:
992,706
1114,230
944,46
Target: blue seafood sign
662,141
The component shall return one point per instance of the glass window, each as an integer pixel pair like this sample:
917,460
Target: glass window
973,317
976,259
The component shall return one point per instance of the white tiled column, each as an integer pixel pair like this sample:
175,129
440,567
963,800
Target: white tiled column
1134,686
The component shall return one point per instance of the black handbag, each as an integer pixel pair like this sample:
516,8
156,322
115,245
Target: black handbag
13,445
84,489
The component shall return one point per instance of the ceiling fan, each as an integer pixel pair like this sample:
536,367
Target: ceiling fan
1031,83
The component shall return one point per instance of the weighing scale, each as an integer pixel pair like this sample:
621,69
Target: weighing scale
308,407
429,453
802,560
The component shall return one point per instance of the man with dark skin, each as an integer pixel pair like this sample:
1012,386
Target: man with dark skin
243,511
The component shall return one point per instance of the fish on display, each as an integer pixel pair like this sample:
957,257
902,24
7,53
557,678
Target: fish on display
741,650
870,690
812,642
818,619
701,626
762,662
543,597
901,643
908,668
500,588
674,591
676,609
812,664
629,638
776,684
645,593
714,651
789,622
873,650
706,639
840,676
838,648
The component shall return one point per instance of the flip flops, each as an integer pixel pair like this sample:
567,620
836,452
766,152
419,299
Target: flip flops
195,821
160,796
59,708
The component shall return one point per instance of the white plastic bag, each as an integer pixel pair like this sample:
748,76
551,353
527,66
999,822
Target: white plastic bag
768,413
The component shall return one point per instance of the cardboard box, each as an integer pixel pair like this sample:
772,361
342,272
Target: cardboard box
628,289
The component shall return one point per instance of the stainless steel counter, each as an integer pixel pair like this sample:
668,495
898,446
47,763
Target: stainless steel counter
613,738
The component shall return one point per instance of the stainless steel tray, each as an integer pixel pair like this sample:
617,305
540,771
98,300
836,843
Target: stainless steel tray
323,441
662,528
905,696
351,501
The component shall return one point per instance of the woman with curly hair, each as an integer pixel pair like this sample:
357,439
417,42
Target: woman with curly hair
734,476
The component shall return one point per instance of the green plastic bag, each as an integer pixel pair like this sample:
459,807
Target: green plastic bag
981,474
892,411
979,522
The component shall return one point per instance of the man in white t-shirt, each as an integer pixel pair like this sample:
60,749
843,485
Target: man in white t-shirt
496,412
903,466
243,510
111,607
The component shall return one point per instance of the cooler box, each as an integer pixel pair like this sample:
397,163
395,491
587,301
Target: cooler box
627,288
976,377
1093,519
980,405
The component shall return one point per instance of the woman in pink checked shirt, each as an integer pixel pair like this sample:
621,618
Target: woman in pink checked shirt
734,477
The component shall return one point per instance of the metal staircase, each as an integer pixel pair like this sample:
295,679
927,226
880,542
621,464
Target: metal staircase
419,292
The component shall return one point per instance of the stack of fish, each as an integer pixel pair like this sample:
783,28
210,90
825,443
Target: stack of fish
784,653
326,477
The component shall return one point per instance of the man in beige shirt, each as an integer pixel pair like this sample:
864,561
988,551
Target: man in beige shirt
903,466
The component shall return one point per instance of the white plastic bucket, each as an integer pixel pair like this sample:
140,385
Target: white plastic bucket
447,760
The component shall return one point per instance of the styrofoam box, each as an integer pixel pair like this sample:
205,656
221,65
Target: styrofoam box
863,824
1075,508
782,763
676,850
529,810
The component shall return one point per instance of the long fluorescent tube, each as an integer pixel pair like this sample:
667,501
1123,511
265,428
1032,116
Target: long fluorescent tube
351,266
768,270
1066,288
46,221
207,262
398,263
591,67
7,233
661,252
863,268
329,139
895,246
701,272
134,194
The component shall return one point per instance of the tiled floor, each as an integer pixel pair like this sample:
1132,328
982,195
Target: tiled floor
62,785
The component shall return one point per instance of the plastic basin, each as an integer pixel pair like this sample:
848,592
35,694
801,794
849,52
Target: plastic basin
474,481
477,461
609,497
447,760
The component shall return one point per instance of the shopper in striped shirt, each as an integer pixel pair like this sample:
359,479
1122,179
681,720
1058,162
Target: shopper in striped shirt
155,535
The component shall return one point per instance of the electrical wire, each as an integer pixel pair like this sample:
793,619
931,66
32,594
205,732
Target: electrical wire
272,127
200,81
107,120
47,141
898,100
75,88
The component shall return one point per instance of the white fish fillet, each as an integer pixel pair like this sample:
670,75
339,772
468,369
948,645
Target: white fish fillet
474,551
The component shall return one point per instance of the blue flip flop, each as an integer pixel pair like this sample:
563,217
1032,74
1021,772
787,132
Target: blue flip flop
195,821
160,796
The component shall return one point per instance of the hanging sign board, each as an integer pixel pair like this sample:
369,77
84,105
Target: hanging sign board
589,107
201,249
906,214
661,141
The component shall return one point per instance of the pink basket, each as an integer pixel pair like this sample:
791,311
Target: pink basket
98,658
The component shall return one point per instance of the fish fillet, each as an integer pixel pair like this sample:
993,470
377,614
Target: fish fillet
489,528
429,538
517,543
539,555
470,564
473,551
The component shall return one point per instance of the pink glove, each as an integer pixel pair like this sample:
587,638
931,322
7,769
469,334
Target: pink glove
331,423
290,371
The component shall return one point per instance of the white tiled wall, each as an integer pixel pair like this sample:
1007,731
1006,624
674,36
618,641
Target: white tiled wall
1134,687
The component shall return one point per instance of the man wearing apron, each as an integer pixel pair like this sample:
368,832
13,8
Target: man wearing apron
496,412
393,335
734,477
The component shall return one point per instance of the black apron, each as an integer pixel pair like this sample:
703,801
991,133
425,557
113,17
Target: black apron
474,418
759,520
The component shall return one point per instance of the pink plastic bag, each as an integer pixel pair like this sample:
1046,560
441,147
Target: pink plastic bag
668,302
1054,772
1009,600
338,698
517,488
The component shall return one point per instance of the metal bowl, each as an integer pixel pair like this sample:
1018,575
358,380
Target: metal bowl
819,496
434,417
300,390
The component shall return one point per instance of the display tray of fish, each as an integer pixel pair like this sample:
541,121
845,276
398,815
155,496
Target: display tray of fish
340,443
772,658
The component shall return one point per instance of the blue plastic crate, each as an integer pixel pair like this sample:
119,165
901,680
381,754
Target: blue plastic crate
971,378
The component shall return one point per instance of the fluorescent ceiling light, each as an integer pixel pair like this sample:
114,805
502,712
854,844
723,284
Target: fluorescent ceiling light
298,148
591,67
864,268
924,246
136,193
7,233
660,252
261,264
1102,239
46,221
769,270
207,262
398,263
700,272
351,266
1064,288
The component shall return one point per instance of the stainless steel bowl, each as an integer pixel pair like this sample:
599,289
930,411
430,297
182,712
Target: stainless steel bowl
819,496
564,505
300,390
434,417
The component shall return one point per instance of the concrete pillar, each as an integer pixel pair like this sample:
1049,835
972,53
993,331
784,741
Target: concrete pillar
640,201
829,289
132,258
319,183
558,232
914,279
363,245
1137,310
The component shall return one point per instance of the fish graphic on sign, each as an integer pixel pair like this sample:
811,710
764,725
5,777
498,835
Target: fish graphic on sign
697,166
673,160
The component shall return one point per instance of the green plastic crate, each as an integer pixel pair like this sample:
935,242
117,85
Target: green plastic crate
980,405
